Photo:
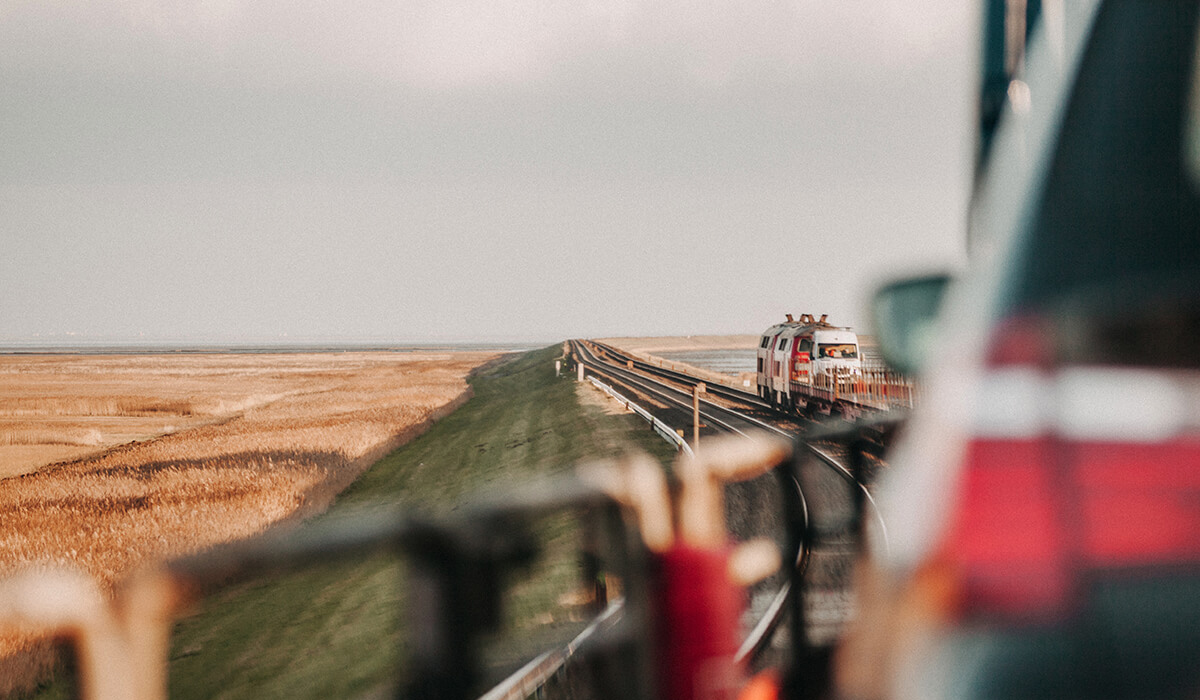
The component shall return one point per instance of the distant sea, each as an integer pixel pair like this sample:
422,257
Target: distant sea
164,348
726,361
743,360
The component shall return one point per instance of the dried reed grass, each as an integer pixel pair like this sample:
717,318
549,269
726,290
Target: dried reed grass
261,440
85,437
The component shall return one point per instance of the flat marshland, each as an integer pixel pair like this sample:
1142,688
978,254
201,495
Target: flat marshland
334,630
115,460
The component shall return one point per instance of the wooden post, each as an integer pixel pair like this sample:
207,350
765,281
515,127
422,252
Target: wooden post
696,391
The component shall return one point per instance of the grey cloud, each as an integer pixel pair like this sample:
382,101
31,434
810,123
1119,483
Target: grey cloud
312,168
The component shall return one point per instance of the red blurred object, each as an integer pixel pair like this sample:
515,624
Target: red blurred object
764,686
1139,504
1025,340
1008,544
698,625
1035,515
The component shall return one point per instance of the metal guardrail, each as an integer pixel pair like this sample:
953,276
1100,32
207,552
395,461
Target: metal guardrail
659,427
530,678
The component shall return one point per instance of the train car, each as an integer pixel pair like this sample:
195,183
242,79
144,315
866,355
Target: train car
766,345
801,361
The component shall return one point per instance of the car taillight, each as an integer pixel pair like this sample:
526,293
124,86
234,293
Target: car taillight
1007,539
1138,504
1070,470
1007,549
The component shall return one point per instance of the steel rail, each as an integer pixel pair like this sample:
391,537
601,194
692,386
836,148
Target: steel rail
761,634
763,631
718,389
678,397
846,473
662,392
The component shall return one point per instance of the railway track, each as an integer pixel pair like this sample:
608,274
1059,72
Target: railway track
736,412
823,560
743,398
877,432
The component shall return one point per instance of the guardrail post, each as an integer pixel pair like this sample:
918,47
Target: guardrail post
696,391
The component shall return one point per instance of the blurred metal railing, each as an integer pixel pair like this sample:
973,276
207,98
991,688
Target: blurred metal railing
122,641
457,569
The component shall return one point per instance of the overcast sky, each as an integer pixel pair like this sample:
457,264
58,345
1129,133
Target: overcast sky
436,170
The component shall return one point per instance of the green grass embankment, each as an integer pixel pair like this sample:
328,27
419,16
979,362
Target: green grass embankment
522,422
335,631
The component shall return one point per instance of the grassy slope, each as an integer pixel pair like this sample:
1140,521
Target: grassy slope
522,422
333,632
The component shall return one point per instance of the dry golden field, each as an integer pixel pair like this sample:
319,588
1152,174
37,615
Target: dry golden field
108,461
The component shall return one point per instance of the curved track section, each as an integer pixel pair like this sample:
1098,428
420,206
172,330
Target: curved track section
826,601
720,417
619,356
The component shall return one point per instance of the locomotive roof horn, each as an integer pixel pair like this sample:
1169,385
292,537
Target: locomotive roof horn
789,318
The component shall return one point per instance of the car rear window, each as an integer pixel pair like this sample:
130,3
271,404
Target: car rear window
1115,246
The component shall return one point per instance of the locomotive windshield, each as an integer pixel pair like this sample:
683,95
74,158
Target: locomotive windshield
837,351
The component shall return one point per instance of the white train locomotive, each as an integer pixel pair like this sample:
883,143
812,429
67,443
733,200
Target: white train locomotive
801,362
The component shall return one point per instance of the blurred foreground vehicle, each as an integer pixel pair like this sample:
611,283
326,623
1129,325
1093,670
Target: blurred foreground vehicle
1043,507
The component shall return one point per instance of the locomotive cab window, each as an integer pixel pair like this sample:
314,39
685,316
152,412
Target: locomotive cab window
838,351
805,347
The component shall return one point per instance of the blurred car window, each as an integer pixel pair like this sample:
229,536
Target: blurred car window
1115,247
